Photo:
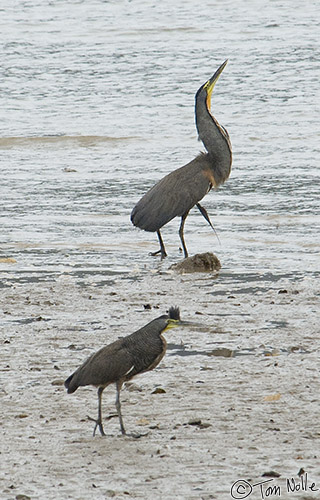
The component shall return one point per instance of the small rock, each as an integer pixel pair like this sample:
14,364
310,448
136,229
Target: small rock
204,425
199,263
271,473
68,169
57,382
194,421
132,387
158,390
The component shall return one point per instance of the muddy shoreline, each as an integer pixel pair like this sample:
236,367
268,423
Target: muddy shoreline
240,389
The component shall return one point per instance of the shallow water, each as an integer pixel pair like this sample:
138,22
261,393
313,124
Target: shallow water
96,105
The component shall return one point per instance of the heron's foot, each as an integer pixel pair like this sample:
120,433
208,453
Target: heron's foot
163,253
137,435
98,424
185,253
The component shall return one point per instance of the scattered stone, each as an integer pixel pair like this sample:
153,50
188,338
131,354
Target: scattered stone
158,390
132,387
198,422
271,473
204,425
57,382
69,170
199,263
194,421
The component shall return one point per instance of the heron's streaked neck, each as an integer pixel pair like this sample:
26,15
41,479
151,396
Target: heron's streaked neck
214,139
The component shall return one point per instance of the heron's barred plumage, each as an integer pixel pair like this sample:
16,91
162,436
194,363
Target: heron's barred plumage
125,358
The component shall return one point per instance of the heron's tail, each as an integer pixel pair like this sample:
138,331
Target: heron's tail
70,385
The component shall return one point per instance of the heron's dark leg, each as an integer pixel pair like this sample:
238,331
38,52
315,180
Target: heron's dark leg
162,249
183,219
99,419
118,406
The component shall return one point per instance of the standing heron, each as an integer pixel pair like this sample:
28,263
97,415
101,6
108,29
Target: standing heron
124,359
182,189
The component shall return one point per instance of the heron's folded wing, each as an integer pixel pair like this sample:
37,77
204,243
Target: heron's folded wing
172,196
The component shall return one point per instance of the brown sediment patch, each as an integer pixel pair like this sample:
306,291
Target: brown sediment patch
199,263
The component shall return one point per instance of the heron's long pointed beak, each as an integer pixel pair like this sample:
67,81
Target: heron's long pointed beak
190,323
208,86
173,323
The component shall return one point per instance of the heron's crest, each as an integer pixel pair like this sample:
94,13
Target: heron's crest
173,319
174,313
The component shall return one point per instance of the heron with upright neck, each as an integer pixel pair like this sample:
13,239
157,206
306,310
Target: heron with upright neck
176,193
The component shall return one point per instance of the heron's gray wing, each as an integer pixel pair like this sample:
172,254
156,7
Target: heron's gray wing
172,196
107,365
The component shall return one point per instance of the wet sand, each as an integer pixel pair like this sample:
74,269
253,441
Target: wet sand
241,388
